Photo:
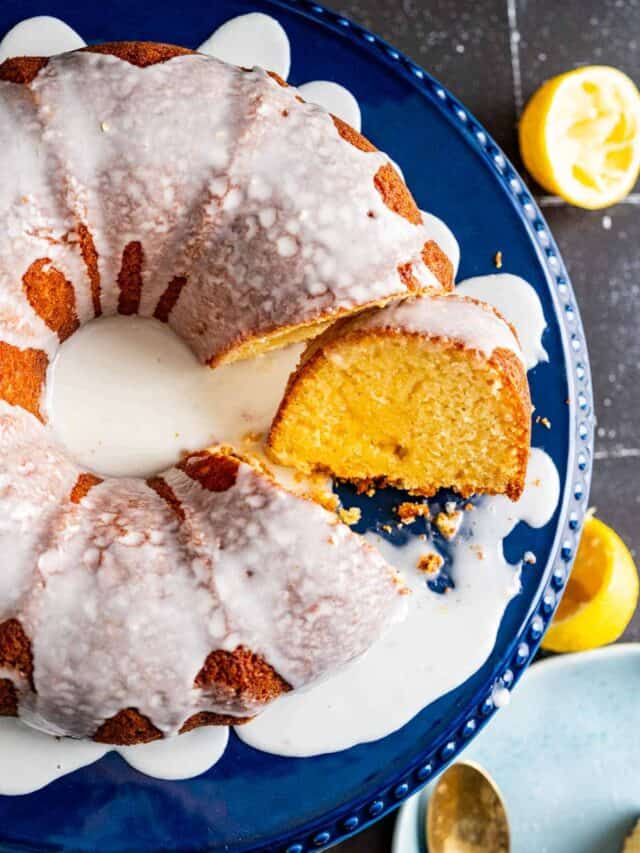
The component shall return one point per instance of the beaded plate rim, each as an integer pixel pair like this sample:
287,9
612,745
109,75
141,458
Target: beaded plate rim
356,816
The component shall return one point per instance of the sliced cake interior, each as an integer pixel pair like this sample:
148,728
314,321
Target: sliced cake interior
424,394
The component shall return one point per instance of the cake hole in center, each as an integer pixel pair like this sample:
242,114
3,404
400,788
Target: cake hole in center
127,397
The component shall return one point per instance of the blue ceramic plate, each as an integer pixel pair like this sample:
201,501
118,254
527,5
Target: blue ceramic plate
253,801
571,717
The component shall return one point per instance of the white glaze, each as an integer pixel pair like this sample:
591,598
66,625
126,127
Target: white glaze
39,36
448,317
31,760
118,375
443,640
439,231
335,99
518,302
178,758
250,40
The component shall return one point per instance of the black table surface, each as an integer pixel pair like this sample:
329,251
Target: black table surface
493,54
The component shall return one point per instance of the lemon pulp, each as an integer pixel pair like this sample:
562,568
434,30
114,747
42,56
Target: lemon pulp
580,136
601,594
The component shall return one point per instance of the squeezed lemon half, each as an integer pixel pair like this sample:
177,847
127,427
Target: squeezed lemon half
601,594
580,136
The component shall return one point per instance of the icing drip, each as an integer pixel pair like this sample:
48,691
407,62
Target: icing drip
335,99
518,302
39,36
32,760
444,237
249,40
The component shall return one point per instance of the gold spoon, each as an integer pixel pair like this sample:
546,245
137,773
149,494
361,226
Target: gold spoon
466,813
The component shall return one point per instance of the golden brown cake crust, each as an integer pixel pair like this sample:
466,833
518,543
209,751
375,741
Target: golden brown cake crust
22,377
216,472
8,699
15,649
127,728
140,53
169,298
130,278
209,718
90,258
83,486
164,490
22,69
243,673
52,297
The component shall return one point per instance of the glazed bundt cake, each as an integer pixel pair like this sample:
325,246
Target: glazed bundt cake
145,179
428,393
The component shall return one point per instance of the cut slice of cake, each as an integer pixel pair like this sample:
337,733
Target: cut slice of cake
428,393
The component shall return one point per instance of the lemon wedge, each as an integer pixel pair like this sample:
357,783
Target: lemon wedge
580,136
601,594
632,842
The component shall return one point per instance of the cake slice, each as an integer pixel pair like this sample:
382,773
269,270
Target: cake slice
428,393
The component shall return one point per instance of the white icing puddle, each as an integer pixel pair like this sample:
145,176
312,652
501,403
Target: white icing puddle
118,376
335,99
518,302
32,759
444,237
441,643
40,36
127,397
248,40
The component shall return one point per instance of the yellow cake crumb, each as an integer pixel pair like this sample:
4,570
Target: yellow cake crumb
430,563
408,512
497,260
252,437
448,523
350,516
325,499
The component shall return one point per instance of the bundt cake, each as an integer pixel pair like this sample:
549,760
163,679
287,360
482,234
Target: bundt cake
427,393
145,179
132,610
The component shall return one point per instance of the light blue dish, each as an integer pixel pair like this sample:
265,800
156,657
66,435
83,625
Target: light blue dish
566,755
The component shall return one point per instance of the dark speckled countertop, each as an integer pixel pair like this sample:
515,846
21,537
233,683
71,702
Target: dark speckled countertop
493,54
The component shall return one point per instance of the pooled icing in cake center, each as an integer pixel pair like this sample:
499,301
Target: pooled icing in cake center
127,397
